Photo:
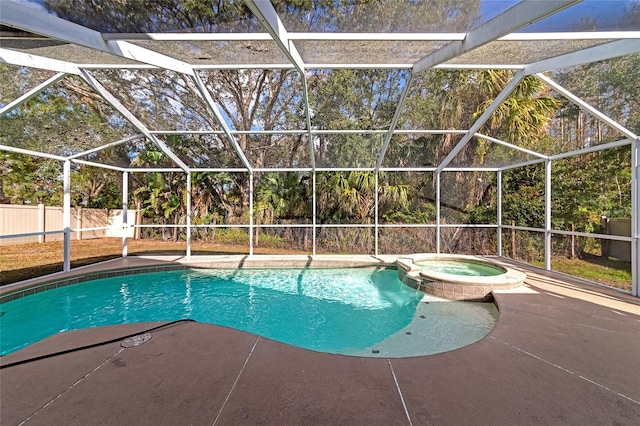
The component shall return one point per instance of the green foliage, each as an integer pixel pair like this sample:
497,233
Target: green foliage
598,184
31,180
235,236
282,197
523,196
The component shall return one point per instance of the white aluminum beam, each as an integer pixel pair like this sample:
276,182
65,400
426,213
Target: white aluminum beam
438,187
27,19
308,66
635,217
592,54
109,145
572,35
114,102
307,109
218,115
32,153
592,235
376,209
407,169
310,36
313,132
499,211
311,66
512,146
99,165
253,65
34,61
547,215
66,216
186,36
266,14
189,201
593,148
471,169
125,212
392,126
31,93
251,224
482,119
152,169
432,132
376,36
582,104
218,170
519,16
314,213
523,164
587,150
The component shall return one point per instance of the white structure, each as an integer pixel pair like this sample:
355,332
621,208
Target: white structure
509,35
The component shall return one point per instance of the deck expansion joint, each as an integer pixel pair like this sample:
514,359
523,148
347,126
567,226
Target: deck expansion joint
586,379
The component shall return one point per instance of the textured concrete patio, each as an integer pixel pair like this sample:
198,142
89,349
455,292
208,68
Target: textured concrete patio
563,352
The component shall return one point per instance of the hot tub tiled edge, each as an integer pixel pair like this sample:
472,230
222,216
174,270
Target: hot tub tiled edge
452,287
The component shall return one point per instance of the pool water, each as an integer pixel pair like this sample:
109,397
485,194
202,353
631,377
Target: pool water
346,311
460,267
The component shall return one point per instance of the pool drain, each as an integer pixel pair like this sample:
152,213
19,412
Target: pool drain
137,340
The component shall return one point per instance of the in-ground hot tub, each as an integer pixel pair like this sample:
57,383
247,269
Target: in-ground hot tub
457,277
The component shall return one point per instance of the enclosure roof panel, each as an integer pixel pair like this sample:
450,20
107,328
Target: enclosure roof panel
63,51
188,41
518,52
390,16
384,33
219,52
592,16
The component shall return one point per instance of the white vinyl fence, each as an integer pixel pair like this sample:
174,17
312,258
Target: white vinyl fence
45,223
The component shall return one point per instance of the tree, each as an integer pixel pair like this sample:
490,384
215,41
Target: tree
64,119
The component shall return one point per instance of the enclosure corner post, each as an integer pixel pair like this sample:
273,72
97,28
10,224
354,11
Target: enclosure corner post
250,212
437,212
635,220
188,203
125,211
314,213
547,216
376,213
66,215
499,212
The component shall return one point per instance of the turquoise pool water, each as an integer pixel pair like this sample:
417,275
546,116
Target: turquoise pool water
356,311
460,267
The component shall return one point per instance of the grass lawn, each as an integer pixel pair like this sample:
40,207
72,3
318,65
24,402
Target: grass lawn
23,261
609,271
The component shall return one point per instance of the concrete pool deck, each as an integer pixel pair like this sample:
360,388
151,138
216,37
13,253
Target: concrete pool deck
563,352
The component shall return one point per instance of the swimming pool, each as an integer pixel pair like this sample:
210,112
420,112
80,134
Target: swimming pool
351,311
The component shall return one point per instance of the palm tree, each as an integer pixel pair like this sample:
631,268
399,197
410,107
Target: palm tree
523,115
281,197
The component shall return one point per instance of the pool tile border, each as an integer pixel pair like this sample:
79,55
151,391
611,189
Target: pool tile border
63,282
29,289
